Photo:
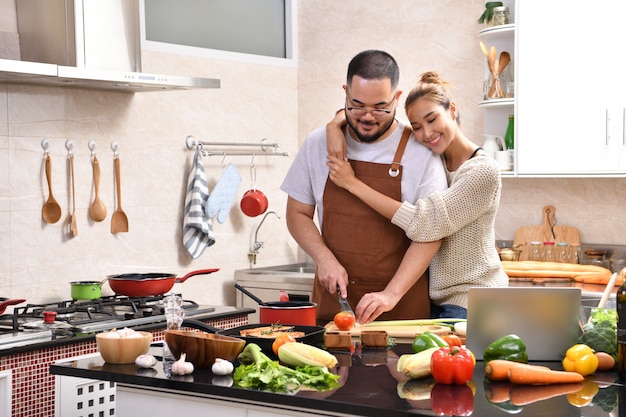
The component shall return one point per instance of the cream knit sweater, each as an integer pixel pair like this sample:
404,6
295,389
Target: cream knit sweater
463,217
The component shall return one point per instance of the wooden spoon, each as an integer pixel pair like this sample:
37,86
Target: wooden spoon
504,60
119,220
483,46
97,210
73,227
51,211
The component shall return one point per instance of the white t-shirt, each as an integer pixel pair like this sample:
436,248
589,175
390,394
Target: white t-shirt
422,171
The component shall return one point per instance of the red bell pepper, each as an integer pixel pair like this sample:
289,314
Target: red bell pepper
452,365
452,400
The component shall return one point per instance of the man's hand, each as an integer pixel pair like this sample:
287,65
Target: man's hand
332,275
374,304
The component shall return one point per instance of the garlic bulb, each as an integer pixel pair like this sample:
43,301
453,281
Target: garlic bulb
145,361
222,367
181,367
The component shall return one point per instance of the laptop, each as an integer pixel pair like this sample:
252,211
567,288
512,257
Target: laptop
545,318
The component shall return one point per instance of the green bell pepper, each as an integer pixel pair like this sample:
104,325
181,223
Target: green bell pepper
427,340
510,347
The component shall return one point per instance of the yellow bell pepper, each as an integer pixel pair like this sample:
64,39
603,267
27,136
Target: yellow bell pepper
580,359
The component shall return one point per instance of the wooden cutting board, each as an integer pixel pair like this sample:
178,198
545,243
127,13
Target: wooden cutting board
549,231
403,333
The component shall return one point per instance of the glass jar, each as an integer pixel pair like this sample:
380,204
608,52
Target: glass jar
500,16
595,257
562,253
548,251
574,253
536,251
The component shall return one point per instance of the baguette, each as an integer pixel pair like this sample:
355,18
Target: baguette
589,274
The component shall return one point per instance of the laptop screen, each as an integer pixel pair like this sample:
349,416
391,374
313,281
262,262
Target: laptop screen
546,318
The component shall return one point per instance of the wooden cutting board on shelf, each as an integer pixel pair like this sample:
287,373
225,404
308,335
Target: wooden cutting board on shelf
402,333
549,231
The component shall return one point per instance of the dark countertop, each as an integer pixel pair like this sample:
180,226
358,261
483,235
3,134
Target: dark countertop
370,387
44,340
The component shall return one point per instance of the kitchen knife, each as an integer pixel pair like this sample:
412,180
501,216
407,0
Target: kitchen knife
344,303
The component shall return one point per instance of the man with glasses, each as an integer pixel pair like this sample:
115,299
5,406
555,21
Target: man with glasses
358,252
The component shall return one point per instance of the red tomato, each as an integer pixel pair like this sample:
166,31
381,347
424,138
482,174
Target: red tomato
281,340
452,365
452,340
344,320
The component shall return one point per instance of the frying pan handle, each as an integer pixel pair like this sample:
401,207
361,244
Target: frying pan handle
198,272
199,325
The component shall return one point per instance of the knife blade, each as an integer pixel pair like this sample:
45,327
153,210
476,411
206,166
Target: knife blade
343,303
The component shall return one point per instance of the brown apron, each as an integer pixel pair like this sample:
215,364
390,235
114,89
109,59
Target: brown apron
367,244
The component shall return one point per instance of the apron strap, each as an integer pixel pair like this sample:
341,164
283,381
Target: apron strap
395,165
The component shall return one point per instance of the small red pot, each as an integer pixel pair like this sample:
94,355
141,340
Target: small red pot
288,312
253,203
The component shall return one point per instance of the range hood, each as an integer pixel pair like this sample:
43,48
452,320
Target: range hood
24,72
86,44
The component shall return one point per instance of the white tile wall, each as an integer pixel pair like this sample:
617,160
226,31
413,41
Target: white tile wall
38,261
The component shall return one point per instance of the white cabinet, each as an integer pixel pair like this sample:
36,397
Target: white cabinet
497,111
571,94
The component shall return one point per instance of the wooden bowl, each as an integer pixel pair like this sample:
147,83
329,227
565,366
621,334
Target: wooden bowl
123,350
202,348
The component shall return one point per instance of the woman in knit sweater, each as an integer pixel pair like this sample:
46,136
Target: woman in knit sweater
462,216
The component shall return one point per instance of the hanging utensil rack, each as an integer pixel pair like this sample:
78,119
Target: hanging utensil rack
226,148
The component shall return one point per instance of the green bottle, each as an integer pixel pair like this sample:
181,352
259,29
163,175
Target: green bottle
508,136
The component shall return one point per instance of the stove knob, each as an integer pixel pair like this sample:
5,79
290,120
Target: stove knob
147,312
129,316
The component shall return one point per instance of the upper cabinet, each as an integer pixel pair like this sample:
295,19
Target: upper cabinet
570,96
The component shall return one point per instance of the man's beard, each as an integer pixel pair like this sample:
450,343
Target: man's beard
383,128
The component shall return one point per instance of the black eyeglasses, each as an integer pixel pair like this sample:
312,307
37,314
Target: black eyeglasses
378,113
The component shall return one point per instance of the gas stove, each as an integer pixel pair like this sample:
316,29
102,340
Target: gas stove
67,318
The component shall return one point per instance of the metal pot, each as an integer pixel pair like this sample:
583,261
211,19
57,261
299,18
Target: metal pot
86,290
284,312
288,312
5,302
149,284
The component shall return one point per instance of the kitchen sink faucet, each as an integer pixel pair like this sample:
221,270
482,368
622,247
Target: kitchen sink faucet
258,245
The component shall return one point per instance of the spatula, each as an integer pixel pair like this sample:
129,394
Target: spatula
73,226
119,220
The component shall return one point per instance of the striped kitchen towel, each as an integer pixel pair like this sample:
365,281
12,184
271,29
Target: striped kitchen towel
197,227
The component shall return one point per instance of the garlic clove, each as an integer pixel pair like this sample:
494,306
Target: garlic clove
145,361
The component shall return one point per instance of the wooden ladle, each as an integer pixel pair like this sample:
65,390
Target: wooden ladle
97,210
51,211
119,220
503,61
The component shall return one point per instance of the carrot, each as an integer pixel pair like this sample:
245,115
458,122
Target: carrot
498,369
498,391
527,394
539,375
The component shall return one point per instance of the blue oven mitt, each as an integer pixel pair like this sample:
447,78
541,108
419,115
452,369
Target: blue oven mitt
223,195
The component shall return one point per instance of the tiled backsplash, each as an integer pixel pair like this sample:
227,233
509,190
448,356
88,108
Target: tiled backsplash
33,385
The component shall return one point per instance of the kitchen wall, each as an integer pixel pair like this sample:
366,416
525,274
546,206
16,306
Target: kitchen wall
255,101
